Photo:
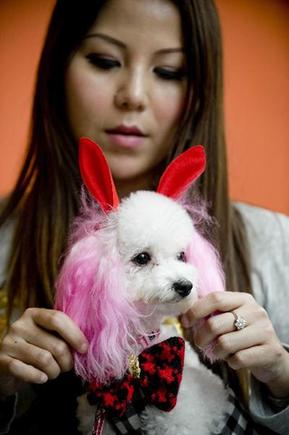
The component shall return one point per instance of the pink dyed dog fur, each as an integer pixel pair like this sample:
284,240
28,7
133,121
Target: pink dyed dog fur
91,289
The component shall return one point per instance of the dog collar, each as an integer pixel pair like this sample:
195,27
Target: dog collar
148,339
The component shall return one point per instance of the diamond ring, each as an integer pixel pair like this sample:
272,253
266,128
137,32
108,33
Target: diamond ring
239,322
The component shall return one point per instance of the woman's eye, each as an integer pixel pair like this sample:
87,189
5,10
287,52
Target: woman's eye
142,259
102,62
170,73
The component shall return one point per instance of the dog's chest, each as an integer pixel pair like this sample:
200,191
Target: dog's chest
202,399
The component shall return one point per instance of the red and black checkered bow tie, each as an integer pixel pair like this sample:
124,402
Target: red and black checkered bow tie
160,377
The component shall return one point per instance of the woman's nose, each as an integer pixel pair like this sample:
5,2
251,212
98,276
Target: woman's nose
131,93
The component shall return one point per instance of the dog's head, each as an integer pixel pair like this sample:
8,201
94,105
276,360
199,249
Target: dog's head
153,237
142,256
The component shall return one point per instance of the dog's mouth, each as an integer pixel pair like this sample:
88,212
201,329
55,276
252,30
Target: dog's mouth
177,292
173,306
171,300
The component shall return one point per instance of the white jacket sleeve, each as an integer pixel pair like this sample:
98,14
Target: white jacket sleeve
268,234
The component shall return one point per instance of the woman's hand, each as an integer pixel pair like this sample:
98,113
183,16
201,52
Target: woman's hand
255,347
37,347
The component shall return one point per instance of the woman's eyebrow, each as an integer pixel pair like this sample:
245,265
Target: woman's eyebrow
122,45
106,38
171,50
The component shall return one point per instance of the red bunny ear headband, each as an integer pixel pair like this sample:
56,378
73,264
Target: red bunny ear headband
96,174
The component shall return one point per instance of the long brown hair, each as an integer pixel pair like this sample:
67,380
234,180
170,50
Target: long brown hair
46,196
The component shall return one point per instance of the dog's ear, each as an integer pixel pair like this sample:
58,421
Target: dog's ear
205,258
182,172
96,175
91,290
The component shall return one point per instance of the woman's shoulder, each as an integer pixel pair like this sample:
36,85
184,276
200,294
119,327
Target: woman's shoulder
255,215
267,230
268,238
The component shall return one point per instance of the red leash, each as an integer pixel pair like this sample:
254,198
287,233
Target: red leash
98,422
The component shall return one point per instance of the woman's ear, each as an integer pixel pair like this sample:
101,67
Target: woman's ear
91,290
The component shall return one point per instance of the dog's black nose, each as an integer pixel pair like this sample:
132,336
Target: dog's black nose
183,288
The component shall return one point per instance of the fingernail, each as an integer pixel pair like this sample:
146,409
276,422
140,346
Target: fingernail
83,348
43,378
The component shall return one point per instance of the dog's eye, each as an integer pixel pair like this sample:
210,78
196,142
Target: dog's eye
142,259
182,256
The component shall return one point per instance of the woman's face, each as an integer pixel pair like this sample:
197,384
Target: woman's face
126,87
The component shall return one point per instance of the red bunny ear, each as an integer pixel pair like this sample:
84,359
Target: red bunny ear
182,172
96,174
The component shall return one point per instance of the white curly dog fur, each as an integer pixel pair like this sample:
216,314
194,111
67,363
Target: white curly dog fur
157,235
130,265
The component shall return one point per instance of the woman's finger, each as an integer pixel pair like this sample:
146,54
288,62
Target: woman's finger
56,346
22,371
60,323
213,303
34,356
234,342
220,324
212,328
256,358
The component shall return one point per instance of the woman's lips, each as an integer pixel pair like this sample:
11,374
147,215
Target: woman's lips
126,137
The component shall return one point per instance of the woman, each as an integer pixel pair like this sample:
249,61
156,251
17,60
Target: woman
144,80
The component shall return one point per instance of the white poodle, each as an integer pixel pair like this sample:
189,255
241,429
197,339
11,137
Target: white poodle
129,266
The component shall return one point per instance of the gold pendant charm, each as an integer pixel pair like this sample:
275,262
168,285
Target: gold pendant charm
134,367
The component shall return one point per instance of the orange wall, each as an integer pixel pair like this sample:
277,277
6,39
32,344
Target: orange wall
22,27
256,52
256,47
